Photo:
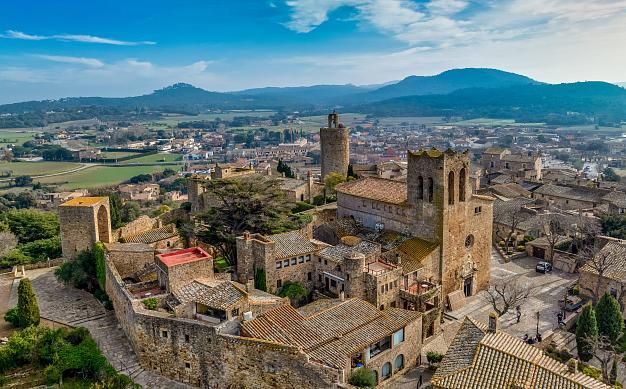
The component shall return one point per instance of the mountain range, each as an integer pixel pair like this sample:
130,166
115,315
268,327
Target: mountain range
470,92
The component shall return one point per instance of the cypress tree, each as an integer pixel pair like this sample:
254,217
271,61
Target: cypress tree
609,318
586,326
27,308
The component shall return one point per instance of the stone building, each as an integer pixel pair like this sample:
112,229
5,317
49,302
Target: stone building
518,166
436,204
335,147
84,221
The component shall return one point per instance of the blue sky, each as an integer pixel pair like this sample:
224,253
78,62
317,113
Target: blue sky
52,49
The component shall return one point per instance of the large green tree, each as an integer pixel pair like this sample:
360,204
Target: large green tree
255,204
30,225
609,318
586,329
27,308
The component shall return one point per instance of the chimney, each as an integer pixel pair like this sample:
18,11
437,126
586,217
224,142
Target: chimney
493,323
342,296
572,366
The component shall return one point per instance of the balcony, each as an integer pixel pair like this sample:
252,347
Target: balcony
421,295
379,267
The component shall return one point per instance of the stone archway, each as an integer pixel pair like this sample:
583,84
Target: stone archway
104,225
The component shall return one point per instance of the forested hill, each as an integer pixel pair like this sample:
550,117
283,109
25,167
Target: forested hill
557,104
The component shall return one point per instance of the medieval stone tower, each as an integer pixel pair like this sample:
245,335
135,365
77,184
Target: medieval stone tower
335,147
84,221
446,211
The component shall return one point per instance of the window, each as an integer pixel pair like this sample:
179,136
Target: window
382,289
279,264
469,241
386,371
308,257
301,259
382,306
478,210
333,283
399,362
451,188
348,277
319,277
286,263
507,166
386,287
186,338
163,334
309,276
234,312
279,283
430,189
393,304
398,336
462,175
187,365
325,262
319,260
420,188
294,261
338,268
492,164
395,284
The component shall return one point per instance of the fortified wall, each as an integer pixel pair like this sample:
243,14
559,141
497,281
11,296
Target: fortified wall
209,356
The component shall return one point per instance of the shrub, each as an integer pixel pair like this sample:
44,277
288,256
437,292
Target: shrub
11,316
27,308
362,377
294,290
586,326
151,303
301,206
433,357
590,371
98,253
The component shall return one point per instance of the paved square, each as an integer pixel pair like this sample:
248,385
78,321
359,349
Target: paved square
547,289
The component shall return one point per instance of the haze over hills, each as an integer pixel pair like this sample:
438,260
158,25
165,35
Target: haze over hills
469,92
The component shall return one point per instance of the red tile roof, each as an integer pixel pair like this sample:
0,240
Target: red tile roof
180,257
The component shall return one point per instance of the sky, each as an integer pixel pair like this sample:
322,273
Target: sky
53,49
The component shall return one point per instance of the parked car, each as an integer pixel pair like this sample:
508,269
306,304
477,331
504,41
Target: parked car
543,267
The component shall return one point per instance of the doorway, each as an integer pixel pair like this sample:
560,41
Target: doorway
467,286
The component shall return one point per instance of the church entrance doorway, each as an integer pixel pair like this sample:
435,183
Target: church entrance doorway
467,286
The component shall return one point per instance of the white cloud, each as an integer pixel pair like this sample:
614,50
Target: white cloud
12,34
74,60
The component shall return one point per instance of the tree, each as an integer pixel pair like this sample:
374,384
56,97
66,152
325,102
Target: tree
554,234
599,262
23,181
362,377
509,216
586,331
294,290
8,241
30,225
614,226
332,180
25,200
27,308
609,318
606,352
130,211
138,179
351,171
506,294
252,203
610,175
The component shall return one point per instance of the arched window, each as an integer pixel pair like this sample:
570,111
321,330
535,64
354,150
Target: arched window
462,174
386,371
451,188
399,362
420,188
430,189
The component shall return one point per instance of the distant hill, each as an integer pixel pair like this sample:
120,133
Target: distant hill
313,95
558,104
447,82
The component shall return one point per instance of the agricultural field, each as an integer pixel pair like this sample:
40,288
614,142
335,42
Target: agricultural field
494,122
392,121
161,157
119,154
36,168
173,119
15,137
99,176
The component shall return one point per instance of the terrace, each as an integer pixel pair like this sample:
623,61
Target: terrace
420,295
380,267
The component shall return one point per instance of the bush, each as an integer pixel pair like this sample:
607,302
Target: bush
590,371
12,317
301,206
27,308
362,377
98,253
42,249
433,357
151,303
295,291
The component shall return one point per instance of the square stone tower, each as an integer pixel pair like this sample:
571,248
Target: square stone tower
446,211
84,221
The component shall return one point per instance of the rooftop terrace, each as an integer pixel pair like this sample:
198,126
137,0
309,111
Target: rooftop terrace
180,257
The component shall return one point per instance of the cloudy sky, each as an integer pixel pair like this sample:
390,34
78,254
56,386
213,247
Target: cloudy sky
52,49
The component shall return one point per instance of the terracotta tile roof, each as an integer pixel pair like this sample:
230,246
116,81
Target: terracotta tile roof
613,259
572,192
214,294
152,236
510,190
493,150
379,189
84,201
332,334
479,359
129,247
413,251
616,198
291,244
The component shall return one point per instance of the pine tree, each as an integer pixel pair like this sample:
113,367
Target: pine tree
351,171
586,327
609,317
27,308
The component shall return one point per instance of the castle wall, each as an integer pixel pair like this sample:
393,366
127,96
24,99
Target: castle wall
370,212
141,224
335,151
128,262
199,354
179,275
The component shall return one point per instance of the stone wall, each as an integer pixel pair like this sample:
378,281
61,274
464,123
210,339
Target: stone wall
129,258
200,354
370,212
141,224
84,224
173,277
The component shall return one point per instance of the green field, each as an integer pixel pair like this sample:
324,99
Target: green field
390,121
161,157
118,154
36,168
99,176
494,122
173,119
15,137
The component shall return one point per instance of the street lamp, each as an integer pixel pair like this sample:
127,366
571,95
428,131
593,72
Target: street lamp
537,323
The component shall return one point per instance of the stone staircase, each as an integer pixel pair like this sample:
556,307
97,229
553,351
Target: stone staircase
564,340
